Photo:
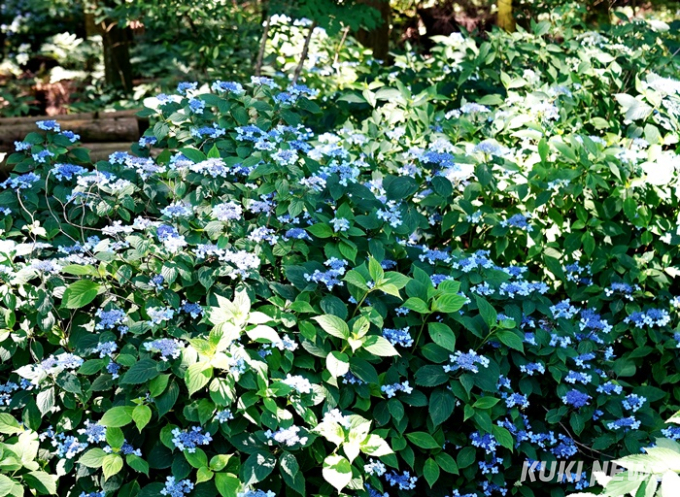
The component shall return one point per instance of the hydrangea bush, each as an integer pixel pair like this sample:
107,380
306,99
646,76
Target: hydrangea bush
423,299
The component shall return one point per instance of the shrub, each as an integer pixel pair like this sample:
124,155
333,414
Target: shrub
426,297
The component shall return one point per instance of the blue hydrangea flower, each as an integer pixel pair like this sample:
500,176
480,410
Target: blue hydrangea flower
106,349
227,86
72,137
174,488
42,156
95,432
609,388
629,423
186,86
376,468
403,481
190,439
576,399
67,171
224,416
467,361
398,337
49,126
196,106
194,310
516,399
651,318
113,369
391,390
67,446
487,442
228,211
168,347
633,402
532,368
20,182
574,377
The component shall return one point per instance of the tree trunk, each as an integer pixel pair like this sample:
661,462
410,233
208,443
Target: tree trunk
116,41
378,38
599,11
506,19
117,66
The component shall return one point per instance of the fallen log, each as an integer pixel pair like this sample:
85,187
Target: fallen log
81,116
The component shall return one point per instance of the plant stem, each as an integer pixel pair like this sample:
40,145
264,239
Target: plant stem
305,51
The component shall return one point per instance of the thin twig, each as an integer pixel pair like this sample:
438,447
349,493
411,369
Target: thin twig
342,42
263,44
579,443
305,51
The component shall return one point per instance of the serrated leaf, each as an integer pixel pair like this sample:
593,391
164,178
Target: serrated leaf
79,294
111,465
117,416
93,458
141,372
197,376
423,440
431,472
141,416
337,471
333,325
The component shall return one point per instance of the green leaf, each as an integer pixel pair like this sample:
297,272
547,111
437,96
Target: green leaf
448,303
431,375
375,270
417,305
197,376
197,459
137,463
503,436
442,336
141,416
193,154
79,294
290,471
441,406
488,313
112,465
363,370
337,363
423,440
485,403
7,486
117,417
379,346
141,372
333,325
447,463
115,437
510,339
466,457
399,187
257,467
431,472
337,471
93,458
9,425
320,230
167,401
219,462
227,484
42,482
